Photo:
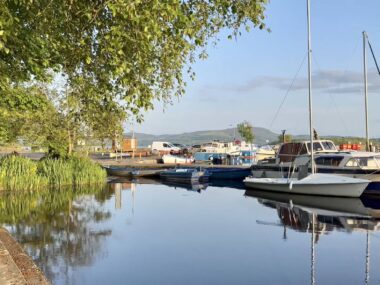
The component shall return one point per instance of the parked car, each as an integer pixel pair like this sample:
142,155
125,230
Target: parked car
184,148
196,148
165,148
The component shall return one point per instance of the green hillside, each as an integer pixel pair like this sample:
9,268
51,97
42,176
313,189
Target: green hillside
262,135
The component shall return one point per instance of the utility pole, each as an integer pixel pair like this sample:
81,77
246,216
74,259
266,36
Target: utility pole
283,135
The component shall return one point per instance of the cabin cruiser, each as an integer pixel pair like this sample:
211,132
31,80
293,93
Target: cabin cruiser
221,147
328,159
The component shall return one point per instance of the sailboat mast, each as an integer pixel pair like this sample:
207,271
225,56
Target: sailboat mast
365,90
310,94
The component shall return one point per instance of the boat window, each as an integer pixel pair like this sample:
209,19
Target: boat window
353,162
166,145
329,160
370,162
316,146
303,150
328,145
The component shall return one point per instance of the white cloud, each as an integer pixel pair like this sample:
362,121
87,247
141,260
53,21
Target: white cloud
330,81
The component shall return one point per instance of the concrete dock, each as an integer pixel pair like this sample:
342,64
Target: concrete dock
16,267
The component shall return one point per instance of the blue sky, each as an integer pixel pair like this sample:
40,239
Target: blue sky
247,78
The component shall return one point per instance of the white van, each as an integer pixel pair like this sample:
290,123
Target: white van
165,147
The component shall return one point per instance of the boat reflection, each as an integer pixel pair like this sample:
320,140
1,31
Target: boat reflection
228,184
193,186
331,213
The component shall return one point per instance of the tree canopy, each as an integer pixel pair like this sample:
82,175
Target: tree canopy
130,52
245,130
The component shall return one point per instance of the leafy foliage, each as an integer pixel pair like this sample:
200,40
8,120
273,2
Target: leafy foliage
288,138
137,49
117,58
245,130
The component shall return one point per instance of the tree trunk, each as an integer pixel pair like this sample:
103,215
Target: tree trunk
70,146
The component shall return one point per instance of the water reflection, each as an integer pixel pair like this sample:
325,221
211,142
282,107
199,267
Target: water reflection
194,186
85,236
319,215
59,228
332,213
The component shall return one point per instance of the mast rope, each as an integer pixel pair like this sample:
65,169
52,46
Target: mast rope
287,92
333,99
373,55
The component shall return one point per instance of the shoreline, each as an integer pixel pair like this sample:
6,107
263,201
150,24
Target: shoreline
17,267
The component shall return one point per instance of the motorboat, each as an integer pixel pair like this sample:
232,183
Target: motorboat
228,173
185,175
328,160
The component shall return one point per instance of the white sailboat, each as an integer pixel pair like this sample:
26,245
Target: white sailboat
315,183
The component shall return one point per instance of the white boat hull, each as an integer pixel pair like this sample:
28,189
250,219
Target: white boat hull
172,159
375,177
315,184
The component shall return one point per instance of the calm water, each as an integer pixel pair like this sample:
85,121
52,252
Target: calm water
131,233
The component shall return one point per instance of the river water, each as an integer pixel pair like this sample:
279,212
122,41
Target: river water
150,233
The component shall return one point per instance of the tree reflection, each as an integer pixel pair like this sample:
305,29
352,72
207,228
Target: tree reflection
59,228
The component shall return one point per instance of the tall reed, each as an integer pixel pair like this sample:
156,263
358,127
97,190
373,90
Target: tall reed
71,171
19,173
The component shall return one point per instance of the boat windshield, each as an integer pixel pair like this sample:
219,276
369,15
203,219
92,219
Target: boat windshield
316,146
364,162
328,145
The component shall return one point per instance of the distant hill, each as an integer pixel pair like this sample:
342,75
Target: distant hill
262,135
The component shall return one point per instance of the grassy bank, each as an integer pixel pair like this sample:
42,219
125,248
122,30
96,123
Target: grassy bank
20,173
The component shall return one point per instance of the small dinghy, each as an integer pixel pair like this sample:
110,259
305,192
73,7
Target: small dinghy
147,172
118,171
185,175
225,173
314,184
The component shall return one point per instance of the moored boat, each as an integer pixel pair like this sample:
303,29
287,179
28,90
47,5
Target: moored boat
118,171
174,159
238,173
313,184
148,172
185,175
328,160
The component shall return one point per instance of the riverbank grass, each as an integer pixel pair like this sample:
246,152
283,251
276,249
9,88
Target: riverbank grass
20,173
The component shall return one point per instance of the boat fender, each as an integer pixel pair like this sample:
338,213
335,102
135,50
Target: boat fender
290,185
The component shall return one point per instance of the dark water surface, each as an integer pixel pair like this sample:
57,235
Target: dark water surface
130,233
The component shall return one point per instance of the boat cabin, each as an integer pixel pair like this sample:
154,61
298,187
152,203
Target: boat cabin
289,151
